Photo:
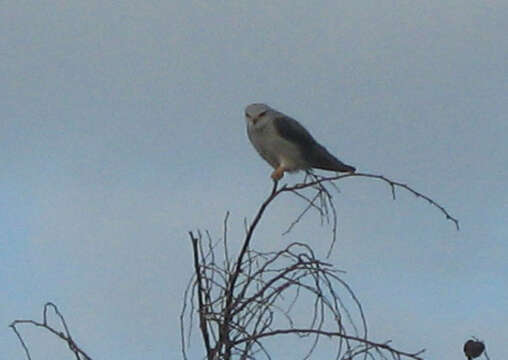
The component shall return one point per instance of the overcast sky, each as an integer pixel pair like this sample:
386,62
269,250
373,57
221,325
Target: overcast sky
121,128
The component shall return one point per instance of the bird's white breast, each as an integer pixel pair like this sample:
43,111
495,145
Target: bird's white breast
276,150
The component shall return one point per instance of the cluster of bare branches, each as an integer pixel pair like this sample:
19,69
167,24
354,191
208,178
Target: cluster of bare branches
64,335
248,301
286,292
257,296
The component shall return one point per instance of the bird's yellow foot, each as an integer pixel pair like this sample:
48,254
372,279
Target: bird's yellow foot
278,173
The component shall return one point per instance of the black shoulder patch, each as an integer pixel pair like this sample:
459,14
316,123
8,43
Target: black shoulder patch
291,130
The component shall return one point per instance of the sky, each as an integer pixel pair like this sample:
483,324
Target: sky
122,128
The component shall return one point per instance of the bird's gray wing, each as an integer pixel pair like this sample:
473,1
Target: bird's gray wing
292,131
314,153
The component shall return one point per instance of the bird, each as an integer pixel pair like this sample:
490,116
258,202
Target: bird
285,144
473,349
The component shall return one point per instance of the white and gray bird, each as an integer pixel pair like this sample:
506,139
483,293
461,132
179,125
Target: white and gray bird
285,144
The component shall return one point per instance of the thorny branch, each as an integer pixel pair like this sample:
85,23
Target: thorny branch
323,200
257,296
393,185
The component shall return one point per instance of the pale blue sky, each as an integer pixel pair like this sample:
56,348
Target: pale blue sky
121,128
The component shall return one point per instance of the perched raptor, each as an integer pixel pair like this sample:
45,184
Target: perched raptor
285,144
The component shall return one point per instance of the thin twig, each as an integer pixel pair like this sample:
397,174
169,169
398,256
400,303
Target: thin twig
65,336
202,321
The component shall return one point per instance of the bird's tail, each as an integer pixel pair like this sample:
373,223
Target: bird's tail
338,166
345,168
322,159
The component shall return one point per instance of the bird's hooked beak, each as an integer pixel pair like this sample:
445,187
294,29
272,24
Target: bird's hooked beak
251,119
254,120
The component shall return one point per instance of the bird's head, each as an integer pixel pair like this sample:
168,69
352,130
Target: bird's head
255,114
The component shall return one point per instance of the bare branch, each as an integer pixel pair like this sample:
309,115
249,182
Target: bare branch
393,185
202,321
65,336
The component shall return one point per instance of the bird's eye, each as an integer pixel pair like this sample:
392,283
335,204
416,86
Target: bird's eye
262,114
247,115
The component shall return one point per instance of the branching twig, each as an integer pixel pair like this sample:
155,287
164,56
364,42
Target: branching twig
393,185
202,311
65,335
318,183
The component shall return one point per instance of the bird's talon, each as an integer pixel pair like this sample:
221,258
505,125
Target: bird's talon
278,174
